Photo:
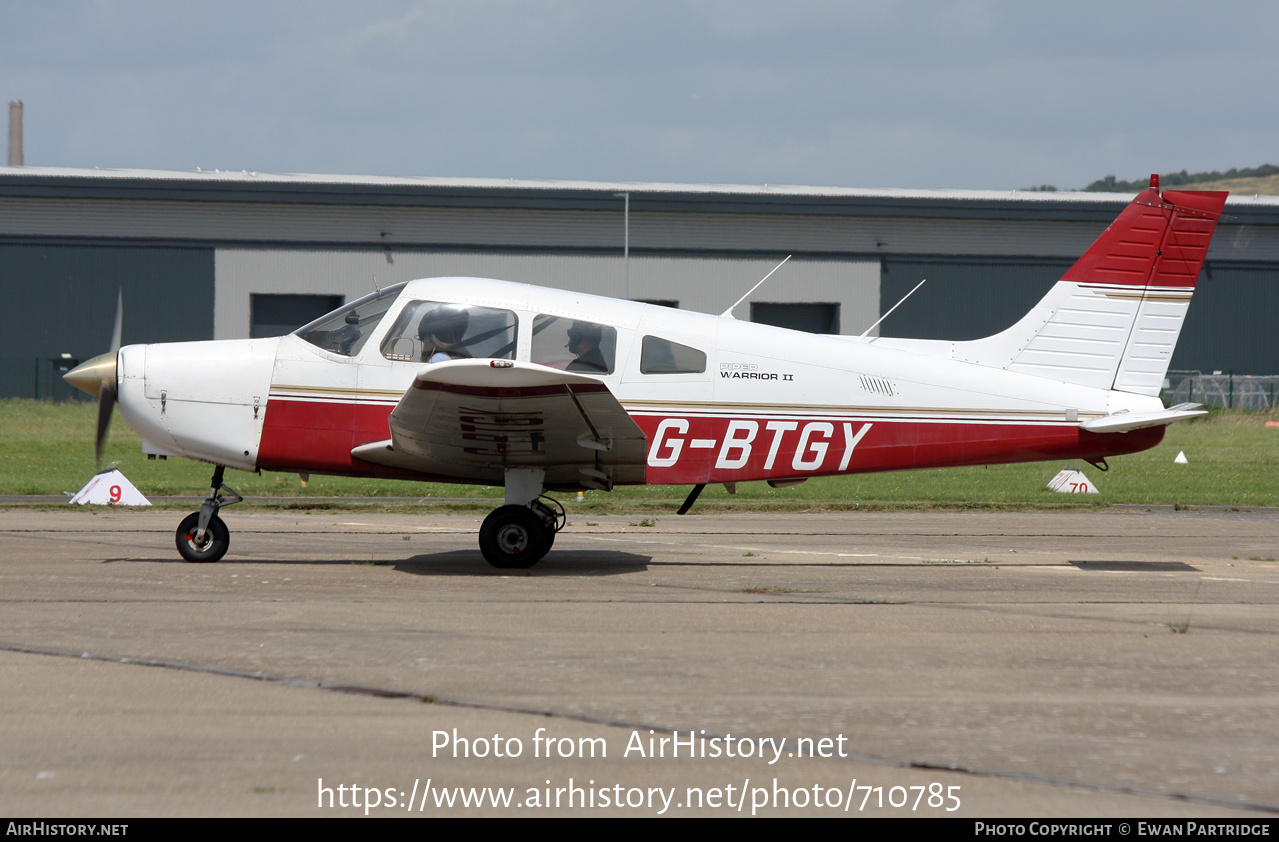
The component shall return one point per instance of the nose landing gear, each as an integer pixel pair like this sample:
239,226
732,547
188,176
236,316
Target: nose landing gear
214,544
202,536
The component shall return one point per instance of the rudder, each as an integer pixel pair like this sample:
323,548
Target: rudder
1113,319
1151,255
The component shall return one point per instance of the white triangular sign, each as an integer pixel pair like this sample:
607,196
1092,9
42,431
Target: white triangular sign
110,488
1071,481
1181,458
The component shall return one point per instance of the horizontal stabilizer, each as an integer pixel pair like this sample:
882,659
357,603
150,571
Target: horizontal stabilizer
1122,422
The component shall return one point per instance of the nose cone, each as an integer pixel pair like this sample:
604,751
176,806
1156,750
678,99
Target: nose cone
202,400
90,376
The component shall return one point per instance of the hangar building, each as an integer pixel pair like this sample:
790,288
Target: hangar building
200,255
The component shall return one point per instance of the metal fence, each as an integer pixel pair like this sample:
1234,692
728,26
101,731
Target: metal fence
1230,390
37,377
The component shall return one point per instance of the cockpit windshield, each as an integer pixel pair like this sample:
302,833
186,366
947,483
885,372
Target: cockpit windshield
345,330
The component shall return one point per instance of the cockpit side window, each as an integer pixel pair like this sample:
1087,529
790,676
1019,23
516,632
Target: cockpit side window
345,330
434,331
662,356
574,345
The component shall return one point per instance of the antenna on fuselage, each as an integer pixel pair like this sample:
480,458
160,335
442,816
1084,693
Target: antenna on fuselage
891,309
728,314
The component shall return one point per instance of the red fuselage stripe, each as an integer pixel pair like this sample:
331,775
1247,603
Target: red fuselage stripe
314,436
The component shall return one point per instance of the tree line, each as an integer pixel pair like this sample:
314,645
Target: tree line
1175,179
1110,184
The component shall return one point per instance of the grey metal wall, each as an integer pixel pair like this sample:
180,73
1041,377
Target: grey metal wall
62,299
707,285
1233,322
1231,325
988,257
317,226
963,299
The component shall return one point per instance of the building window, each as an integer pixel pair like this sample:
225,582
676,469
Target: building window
276,315
810,317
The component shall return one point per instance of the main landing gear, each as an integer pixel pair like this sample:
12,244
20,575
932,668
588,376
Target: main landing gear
517,535
202,536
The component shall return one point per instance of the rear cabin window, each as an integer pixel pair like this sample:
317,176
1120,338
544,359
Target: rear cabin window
574,345
662,356
434,331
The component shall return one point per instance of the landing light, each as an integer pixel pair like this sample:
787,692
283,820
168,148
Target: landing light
501,364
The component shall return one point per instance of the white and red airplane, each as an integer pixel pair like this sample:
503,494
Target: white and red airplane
483,381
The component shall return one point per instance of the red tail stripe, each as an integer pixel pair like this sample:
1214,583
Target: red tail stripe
1156,241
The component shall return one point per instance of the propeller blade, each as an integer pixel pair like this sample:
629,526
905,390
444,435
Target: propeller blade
117,333
106,403
98,377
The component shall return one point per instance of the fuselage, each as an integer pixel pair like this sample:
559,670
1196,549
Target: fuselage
718,400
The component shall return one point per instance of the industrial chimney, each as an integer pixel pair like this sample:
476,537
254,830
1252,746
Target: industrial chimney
15,133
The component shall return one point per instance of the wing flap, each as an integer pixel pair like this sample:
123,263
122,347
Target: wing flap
470,420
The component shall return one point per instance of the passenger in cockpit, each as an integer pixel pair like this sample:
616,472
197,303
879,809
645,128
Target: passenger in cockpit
584,343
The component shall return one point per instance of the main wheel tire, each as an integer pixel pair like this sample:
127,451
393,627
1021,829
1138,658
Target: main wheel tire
512,537
217,538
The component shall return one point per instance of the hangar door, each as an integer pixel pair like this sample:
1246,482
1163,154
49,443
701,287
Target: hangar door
61,299
963,299
1231,325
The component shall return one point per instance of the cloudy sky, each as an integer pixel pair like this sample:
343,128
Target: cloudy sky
963,94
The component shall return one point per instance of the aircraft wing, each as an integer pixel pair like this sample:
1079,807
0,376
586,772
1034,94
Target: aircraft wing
1123,422
470,420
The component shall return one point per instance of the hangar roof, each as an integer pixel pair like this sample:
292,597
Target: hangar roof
425,191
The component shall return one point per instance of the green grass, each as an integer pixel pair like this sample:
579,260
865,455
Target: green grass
1234,461
48,449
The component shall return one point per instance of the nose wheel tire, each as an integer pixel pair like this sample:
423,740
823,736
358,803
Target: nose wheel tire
217,538
513,537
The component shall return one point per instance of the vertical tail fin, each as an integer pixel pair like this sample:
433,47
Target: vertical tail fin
1156,241
1149,259
1113,319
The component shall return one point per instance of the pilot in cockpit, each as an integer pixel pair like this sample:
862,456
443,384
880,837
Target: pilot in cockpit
441,331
